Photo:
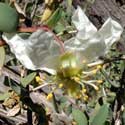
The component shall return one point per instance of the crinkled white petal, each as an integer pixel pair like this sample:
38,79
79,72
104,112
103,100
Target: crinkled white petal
39,51
82,23
87,50
89,43
111,32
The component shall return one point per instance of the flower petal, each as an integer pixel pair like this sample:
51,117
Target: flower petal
82,23
38,51
87,50
110,32
89,44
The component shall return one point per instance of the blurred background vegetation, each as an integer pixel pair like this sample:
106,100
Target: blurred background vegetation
25,100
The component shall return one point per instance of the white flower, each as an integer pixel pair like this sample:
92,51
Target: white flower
41,51
89,42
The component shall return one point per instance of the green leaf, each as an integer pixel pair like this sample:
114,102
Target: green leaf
20,90
4,96
15,86
101,115
79,117
28,79
9,18
123,117
52,21
59,28
2,56
95,111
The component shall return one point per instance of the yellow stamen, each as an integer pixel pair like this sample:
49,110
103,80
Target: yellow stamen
99,81
96,88
38,79
78,96
99,67
60,85
84,90
76,79
49,96
85,98
94,71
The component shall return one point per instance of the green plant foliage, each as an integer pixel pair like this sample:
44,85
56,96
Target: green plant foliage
15,87
9,18
79,117
4,96
52,21
123,117
2,56
59,28
20,90
101,115
28,79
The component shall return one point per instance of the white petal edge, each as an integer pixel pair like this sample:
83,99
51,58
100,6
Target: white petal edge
36,52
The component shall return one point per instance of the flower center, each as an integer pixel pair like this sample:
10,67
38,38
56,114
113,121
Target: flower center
69,65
